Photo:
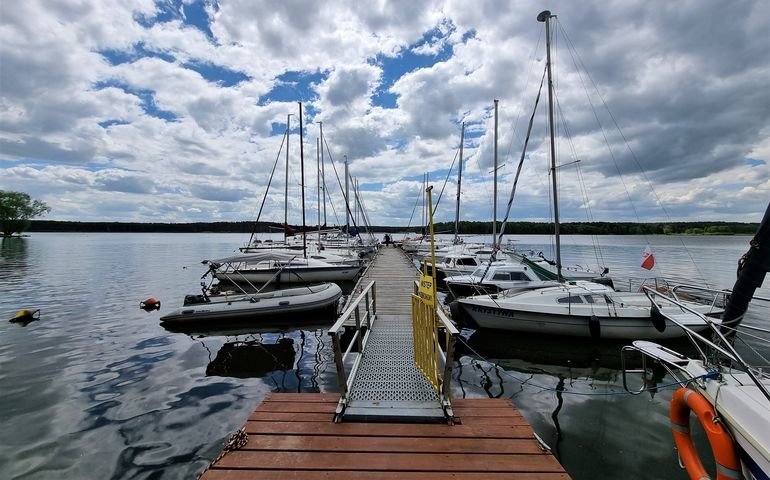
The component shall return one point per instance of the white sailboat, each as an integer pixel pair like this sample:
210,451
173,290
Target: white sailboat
280,267
576,308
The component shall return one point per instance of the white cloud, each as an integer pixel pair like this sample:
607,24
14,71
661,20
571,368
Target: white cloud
688,89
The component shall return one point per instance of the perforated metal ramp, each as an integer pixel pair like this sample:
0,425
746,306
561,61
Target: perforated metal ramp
387,386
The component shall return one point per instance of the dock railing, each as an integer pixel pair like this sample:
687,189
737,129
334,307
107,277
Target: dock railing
364,309
428,355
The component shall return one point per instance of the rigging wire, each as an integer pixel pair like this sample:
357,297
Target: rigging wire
628,146
568,135
254,230
521,163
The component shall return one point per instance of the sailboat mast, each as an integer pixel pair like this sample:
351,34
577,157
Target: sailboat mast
323,173
318,184
545,17
286,184
302,182
494,194
459,183
347,198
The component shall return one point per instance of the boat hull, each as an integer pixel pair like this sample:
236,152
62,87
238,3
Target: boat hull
290,275
279,303
475,314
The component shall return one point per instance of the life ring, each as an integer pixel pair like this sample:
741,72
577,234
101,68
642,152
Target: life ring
722,446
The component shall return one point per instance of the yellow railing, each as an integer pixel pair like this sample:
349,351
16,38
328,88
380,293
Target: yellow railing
425,333
426,321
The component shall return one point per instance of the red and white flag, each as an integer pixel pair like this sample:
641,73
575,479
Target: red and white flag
648,259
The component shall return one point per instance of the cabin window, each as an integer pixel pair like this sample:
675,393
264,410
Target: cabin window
502,276
467,261
519,276
570,299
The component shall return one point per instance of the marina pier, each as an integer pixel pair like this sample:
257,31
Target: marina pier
393,417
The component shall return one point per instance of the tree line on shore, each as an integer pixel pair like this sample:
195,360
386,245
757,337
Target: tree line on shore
465,228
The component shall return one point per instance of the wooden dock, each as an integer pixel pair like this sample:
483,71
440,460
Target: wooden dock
294,436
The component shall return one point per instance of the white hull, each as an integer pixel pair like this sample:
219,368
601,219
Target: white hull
291,275
485,314
270,304
745,412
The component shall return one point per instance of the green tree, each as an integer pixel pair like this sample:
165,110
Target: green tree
16,208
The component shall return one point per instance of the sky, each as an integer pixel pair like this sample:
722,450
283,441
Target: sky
176,110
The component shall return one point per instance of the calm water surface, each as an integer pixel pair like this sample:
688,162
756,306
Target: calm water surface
98,389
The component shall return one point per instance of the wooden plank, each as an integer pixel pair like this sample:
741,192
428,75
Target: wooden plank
390,430
391,444
394,462
222,474
511,421
484,412
299,407
302,397
290,417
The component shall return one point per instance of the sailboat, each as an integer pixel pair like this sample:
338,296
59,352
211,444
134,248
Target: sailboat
289,263
579,308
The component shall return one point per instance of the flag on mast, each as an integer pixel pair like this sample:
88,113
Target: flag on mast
648,259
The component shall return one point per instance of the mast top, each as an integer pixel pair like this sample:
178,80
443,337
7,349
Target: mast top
544,15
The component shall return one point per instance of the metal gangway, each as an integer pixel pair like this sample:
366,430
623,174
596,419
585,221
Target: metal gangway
394,368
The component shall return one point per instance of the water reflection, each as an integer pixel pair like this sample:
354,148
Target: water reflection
571,391
13,259
252,358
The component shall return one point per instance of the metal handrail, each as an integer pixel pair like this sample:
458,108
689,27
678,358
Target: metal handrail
368,295
730,352
451,333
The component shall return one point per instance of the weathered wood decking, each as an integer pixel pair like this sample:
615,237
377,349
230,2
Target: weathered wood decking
291,436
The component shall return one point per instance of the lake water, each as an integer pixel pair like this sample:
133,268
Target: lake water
97,389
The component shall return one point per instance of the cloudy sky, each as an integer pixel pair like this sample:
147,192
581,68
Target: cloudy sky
176,110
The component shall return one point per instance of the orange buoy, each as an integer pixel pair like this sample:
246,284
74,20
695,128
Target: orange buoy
150,304
722,446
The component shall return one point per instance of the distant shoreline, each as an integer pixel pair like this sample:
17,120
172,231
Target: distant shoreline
466,228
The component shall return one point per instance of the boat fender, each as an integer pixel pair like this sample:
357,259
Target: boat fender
657,319
595,327
459,316
722,446
150,304
25,316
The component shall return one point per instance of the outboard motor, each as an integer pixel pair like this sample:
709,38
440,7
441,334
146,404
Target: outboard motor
195,299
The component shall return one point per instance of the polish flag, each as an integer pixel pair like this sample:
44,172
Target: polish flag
648,259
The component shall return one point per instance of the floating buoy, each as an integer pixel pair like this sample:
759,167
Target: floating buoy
151,303
25,316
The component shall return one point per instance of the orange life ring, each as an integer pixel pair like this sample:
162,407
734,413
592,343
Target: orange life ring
722,446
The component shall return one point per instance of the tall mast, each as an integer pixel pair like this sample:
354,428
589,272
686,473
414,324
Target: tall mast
347,198
323,174
318,184
459,182
302,181
494,194
545,17
286,186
